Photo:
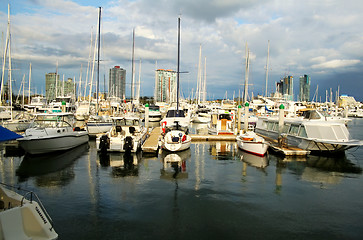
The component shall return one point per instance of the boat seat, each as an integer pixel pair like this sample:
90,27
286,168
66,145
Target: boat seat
12,224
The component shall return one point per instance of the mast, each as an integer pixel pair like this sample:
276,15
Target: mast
199,81
177,73
246,74
30,77
268,56
98,56
132,64
5,53
205,80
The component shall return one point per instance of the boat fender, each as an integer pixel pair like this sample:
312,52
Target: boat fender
163,126
184,138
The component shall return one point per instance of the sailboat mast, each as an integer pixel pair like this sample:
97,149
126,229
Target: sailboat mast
268,56
177,74
98,57
30,77
246,75
4,59
132,64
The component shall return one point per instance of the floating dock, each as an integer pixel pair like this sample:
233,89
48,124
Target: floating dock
196,138
285,150
151,144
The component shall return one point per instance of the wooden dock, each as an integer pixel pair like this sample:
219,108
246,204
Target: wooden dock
151,145
197,138
285,149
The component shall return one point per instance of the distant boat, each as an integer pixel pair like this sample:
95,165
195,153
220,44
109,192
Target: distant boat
21,218
52,132
221,123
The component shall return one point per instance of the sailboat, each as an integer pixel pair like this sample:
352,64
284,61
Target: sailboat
174,137
248,140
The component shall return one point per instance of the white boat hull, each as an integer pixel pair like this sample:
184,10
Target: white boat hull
255,145
51,143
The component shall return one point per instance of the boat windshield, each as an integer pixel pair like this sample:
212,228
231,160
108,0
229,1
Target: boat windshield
224,116
51,121
126,122
175,113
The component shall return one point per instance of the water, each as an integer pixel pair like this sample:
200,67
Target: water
217,192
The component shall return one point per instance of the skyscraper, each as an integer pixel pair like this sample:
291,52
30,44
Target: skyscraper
304,92
285,88
57,88
165,86
117,82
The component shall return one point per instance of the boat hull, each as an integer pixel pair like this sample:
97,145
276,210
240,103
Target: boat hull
176,141
258,148
46,144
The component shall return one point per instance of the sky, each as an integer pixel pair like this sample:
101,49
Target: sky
323,39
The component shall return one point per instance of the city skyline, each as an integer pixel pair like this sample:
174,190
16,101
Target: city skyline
320,39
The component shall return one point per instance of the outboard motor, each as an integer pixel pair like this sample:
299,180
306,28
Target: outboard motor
104,143
129,144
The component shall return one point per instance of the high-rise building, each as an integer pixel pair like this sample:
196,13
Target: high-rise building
56,88
165,86
304,92
285,88
117,82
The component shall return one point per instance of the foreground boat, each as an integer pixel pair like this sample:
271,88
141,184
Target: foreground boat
252,143
52,132
175,140
21,218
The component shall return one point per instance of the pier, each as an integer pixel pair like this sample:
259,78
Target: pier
151,144
285,149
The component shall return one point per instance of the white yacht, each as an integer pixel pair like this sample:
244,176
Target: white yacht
221,123
315,135
51,132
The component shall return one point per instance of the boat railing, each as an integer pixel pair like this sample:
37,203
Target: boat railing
32,196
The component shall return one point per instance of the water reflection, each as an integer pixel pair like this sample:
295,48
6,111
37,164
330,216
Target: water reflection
50,169
174,164
122,164
322,169
222,150
253,160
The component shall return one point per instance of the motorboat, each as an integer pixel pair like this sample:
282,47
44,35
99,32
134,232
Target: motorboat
175,140
154,113
126,134
98,124
315,135
21,218
18,124
221,123
250,142
51,132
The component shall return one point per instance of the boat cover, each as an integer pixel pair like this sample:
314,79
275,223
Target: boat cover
6,134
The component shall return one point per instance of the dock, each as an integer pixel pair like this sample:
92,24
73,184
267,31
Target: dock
285,149
197,138
151,144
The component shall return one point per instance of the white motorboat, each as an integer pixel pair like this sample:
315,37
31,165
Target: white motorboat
21,218
154,113
98,125
51,132
252,143
18,124
126,134
315,135
221,123
175,140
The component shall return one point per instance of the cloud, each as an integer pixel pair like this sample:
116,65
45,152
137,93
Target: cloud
336,63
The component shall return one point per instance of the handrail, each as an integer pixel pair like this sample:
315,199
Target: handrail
32,194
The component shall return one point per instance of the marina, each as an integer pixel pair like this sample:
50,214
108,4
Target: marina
214,191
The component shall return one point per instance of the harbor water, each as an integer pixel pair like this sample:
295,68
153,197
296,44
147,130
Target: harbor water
212,191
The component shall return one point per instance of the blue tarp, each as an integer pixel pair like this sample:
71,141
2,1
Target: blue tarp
6,134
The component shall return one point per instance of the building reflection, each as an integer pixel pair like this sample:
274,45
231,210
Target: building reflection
174,164
55,169
122,164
